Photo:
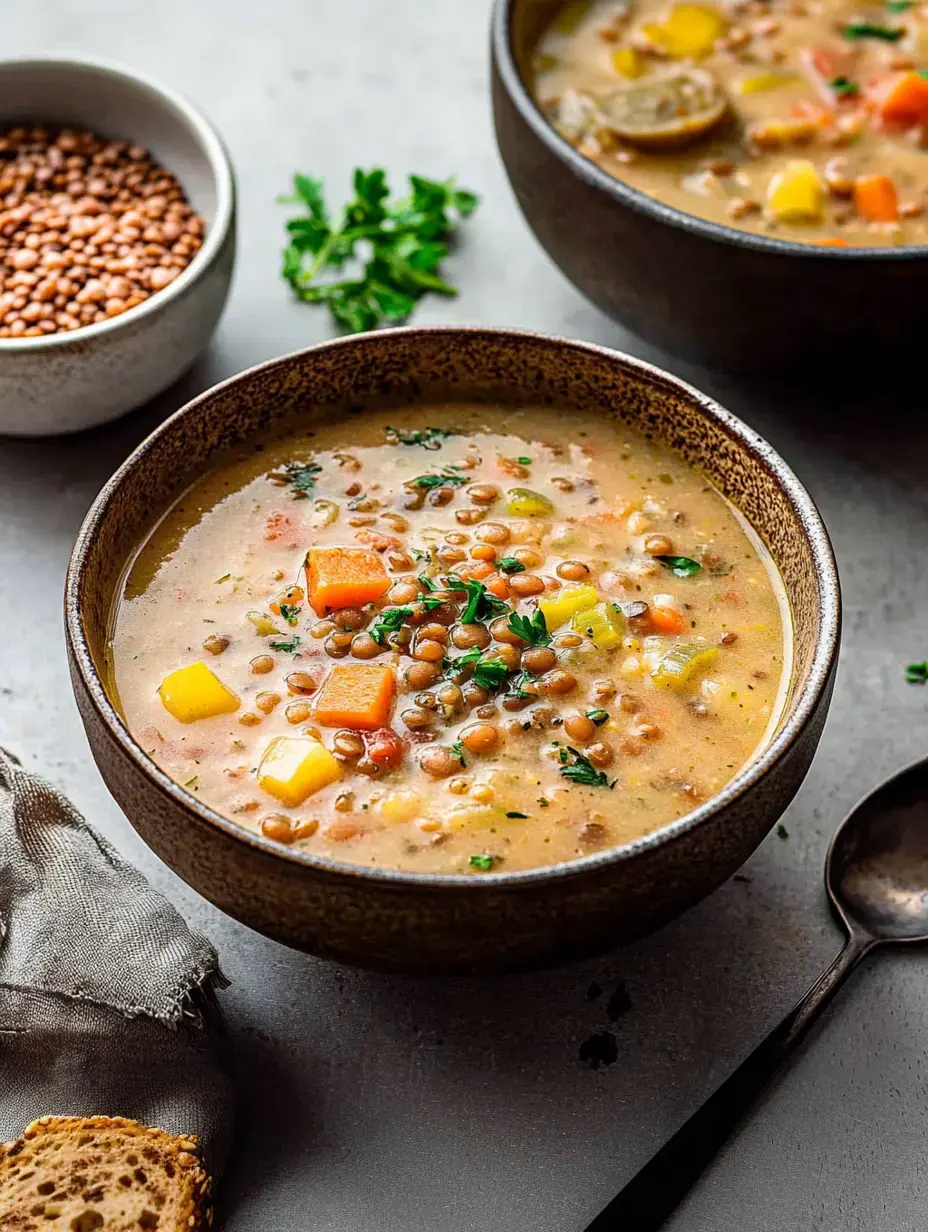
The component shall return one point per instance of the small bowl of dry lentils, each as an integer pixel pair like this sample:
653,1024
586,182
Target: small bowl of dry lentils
117,241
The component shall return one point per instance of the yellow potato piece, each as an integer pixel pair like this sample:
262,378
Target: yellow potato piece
571,599
628,62
293,767
689,31
760,83
796,194
476,817
524,503
195,692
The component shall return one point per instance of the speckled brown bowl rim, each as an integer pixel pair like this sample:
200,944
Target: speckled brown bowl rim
585,169
801,708
216,156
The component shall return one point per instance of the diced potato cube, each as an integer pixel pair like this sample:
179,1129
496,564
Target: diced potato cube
559,609
476,817
399,806
293,767
796,194
760,83
628,62
195,692
602,623
682,664
689,31
524,503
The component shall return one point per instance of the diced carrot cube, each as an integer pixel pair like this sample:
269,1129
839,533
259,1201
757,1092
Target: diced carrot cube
356,695
344,577
667,619
876,198
903,98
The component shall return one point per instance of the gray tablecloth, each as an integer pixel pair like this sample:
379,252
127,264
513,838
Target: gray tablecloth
107,999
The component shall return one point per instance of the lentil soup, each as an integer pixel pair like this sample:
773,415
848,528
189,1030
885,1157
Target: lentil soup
452,649
801,119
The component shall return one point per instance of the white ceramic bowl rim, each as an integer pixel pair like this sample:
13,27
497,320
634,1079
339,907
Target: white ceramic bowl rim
211,145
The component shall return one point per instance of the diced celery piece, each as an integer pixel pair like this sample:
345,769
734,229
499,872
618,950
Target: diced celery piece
524,503
559,609
681,665
602,623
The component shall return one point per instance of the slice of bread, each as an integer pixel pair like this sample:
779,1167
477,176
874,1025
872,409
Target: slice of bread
101,1174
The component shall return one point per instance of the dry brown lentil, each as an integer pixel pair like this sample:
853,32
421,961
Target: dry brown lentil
102,211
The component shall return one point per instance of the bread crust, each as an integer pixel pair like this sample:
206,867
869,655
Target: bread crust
79,1139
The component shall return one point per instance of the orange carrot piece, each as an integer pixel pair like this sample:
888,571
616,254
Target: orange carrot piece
831,241
903,98
876,198
344,577
497,585
667,620
356,695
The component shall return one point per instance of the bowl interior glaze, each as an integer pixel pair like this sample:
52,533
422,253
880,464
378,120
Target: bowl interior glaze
501,367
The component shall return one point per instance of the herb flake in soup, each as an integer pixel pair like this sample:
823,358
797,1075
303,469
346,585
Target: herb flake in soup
450,640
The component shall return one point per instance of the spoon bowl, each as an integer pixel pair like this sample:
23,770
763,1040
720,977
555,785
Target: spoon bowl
877,866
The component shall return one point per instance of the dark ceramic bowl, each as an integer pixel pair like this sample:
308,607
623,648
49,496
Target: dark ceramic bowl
455,922
709,293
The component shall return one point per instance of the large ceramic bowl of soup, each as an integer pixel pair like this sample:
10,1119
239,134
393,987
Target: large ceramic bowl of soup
740,181
448,649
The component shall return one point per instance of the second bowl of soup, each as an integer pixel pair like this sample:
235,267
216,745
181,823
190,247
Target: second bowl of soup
742,182
423,672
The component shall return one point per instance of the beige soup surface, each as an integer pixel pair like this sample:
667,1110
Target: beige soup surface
801,119
454,639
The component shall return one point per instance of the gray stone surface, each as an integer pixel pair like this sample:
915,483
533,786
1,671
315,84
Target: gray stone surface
407,1105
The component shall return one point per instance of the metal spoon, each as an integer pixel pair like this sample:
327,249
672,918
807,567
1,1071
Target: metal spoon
876,875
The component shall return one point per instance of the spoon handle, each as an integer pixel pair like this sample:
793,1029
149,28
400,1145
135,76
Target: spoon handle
658,1188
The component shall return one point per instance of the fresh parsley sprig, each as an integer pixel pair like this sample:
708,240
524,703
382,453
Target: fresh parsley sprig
680,566
300,475
288,647
532,629
481,603
579,769
917,673
429,438
403,246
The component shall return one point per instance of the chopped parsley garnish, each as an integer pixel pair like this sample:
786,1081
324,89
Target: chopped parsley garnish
543,803
484,863
402,247
426,583
579,769
680,566
431,438
917,673
782,831
509,564
302,477
524,461
517,685
898,6
193,783
597,716
419,555
445,480
520,816
388,621
844,86
290,612
457,750
225,577
488,673
532,629
481,604
289,647
867,29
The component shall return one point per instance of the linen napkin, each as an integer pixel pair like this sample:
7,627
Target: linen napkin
107,999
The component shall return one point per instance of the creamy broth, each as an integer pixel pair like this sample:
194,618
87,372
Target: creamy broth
622,643
825,110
